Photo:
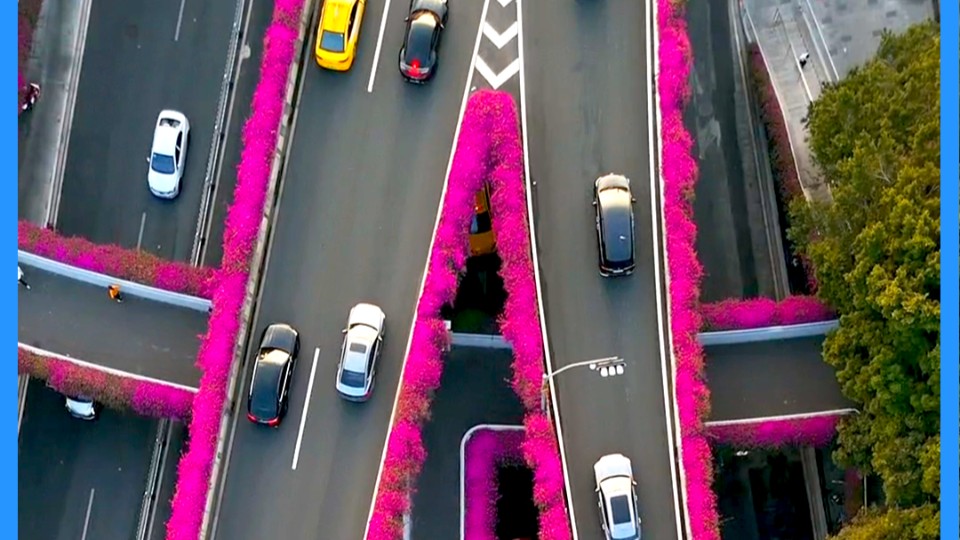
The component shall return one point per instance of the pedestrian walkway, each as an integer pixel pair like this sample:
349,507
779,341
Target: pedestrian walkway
139,336
43,132
835,36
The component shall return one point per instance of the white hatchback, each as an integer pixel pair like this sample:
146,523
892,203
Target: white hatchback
81,407
168,154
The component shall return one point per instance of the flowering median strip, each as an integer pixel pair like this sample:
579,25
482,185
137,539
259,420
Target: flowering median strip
243,220
816,431
488,148
144,397
679,174
485,452
132,265
745,314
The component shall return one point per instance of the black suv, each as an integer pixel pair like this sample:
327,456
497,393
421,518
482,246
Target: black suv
613,202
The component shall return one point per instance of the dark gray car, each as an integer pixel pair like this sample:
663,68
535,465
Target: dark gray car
613,202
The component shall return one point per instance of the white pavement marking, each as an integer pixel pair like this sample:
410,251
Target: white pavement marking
143,222
423,276
306,407
23,385
499,39
376,53
505,3
44,352
86,519
496,80
666,350
176,35
534,251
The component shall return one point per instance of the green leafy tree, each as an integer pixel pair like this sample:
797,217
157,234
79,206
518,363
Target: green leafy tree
922,523
876,137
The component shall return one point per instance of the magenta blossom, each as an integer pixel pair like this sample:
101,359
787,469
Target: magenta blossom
816,431
743,314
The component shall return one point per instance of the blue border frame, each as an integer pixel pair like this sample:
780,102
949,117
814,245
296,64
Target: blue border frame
949,425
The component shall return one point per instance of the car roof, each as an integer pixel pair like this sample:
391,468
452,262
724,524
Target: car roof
617,224
357,361
336,15
165,139
420,37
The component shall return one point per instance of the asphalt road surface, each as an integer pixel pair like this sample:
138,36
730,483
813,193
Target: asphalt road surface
177,441
80,480
588,115
142,56
139,336
474,390
355,217
771,378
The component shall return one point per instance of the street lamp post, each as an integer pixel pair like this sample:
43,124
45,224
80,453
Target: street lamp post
610,366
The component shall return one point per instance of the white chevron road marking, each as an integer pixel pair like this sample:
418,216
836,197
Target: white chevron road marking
499,39
496,80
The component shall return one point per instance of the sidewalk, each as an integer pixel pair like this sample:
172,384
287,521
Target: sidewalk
838,35
54,64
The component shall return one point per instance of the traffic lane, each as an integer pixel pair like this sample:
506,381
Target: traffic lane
474,389
590,117
727,206
79,320
247,76
61,460
771,378
176,446
356,214
132,69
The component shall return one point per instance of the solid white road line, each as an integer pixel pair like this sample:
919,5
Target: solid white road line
376,53
23,384
423,276
143,223
86,520
666,349
781,418
176,35
306,407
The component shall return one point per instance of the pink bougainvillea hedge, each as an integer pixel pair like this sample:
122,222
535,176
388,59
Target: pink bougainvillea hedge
145,398
679,172
132,265
485,452
259,139
743,314
815,431
520,319
423,368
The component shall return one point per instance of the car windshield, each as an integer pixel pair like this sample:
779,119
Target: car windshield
353,379
480,223
332,41
162,163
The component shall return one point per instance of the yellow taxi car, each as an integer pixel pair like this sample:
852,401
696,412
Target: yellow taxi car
482,241
338,33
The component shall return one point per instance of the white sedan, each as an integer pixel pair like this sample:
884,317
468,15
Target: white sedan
168,154
618,501
362,344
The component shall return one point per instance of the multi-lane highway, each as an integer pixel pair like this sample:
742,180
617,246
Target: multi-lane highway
141,57
588,78
771,378
356,211
80,480
473,391
139,336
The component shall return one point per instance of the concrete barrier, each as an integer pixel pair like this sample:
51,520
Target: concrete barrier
102,280
772,333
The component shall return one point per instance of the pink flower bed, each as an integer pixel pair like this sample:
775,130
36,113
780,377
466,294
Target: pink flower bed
145,398
485,452
242,224
815,431
743,314
421,373
113,260
520,319
679,172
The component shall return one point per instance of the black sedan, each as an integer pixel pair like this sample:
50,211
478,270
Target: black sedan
418,55
614,205
272,375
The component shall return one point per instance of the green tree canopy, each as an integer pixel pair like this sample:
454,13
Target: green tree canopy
876,137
